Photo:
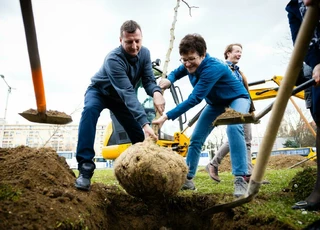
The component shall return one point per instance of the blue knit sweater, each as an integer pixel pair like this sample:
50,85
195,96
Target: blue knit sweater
119,76
212,81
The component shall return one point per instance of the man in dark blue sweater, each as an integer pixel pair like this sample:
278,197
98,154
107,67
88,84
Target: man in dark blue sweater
113,87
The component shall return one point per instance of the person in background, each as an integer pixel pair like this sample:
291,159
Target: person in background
113,87
213,81
232,55
296,10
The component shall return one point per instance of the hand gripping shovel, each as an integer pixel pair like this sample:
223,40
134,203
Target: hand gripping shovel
304,36
41,115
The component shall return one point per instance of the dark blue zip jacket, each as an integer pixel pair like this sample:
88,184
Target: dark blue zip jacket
312,57
295,20
119,76
212,81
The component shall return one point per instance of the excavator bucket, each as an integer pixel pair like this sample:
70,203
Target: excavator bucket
41,115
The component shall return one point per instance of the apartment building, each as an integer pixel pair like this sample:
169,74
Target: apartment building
58,137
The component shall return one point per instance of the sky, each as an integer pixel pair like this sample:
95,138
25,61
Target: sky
74,37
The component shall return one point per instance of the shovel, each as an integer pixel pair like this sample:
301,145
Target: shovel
237,118
299,52
41,115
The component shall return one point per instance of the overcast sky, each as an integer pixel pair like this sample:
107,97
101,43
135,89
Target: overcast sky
75,35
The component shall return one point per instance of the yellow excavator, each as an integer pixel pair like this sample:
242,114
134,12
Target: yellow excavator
116,139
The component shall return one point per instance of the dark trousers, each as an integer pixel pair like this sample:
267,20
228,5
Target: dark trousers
312,59
94,103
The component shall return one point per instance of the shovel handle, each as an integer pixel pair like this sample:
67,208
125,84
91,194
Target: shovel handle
194,119
31,37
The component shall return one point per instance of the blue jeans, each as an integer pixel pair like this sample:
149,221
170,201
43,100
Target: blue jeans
94,103
235,133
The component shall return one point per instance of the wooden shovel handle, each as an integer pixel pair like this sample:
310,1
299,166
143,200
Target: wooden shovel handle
300,49
31,37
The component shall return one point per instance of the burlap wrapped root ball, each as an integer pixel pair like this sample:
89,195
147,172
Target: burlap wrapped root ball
148,171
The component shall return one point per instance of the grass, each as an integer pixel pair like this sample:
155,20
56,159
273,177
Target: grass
271,201
8,193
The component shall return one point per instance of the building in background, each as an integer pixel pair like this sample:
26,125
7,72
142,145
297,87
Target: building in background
276,145
65,137
58,137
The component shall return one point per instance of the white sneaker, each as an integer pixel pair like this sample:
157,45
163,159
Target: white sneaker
240,186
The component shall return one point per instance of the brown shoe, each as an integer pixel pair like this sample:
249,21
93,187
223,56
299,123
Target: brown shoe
213,172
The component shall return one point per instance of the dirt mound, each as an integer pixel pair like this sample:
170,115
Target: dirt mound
37,192
275,162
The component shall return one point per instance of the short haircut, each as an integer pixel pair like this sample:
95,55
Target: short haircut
229,49
193,43
129,26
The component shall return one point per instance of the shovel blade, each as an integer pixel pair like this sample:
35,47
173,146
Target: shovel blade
227,206
49,117
236,119
252,191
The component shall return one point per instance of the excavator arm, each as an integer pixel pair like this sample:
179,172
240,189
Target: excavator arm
266,93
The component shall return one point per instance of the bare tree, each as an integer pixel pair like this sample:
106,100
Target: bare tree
285,48
58,127
294,126
190,7
217,137
172,37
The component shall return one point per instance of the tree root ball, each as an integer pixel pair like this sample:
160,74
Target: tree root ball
148,171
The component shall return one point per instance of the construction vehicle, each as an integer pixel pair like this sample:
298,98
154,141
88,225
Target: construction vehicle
116,139
270,92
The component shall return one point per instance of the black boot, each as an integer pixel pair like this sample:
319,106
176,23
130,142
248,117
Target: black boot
85,173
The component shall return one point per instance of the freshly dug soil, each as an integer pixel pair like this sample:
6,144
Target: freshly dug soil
49,117
48,112
37,192
230,116
275,162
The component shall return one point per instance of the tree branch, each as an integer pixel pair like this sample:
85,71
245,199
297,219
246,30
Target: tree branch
190,7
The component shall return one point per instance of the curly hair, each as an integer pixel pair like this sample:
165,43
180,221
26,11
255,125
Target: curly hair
193,43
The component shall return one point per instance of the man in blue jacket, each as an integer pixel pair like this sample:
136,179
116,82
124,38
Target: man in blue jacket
213,81
296,11
232,55
113,87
